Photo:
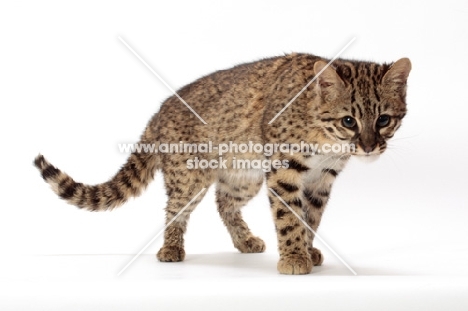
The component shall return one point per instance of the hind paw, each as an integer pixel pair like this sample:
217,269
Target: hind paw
171,253
251,245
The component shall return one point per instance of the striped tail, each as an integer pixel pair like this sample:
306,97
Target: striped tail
129,181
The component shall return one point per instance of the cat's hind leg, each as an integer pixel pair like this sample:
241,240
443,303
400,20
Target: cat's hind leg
234,189
182,186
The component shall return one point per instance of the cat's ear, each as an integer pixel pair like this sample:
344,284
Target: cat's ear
397,74
328,81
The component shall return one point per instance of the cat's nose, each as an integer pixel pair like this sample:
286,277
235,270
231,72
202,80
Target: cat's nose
368,148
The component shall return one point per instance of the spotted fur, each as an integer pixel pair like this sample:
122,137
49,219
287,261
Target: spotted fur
238,105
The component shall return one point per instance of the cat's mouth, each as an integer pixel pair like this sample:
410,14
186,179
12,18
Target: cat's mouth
368,155
368,158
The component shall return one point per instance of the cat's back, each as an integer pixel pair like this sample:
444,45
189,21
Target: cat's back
229,99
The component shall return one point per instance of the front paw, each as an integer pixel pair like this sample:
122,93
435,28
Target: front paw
171,253
295,264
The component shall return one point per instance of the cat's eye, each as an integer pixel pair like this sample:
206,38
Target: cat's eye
383,120
348,121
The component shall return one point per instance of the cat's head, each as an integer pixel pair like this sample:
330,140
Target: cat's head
361,103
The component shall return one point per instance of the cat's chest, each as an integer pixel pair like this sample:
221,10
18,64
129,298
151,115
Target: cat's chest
321,164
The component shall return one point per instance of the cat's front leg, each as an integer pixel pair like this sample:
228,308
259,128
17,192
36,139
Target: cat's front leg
314,202
317,184
293,239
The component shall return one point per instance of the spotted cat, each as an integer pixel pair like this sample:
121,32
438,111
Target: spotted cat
357,103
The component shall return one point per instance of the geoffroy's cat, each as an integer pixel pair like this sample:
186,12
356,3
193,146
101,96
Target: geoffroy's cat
349,102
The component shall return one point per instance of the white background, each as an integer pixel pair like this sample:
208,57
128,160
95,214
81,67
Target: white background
72,91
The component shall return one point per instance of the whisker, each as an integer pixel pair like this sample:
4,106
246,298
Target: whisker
393,161
405,137
400,148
